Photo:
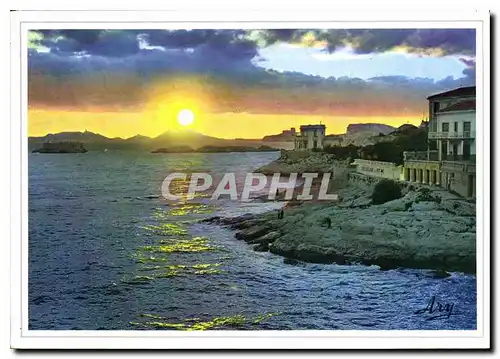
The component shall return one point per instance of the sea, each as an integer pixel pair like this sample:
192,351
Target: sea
107,252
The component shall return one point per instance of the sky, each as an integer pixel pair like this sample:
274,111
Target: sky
239,83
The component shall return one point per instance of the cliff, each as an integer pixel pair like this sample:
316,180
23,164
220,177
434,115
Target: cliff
362,134
373,128
425,229
168,139
286,135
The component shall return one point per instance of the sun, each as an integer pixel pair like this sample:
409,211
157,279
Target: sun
185,117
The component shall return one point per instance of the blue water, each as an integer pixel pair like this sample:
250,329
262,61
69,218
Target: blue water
97,261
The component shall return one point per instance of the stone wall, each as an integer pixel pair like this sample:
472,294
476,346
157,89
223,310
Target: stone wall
459,178
379,169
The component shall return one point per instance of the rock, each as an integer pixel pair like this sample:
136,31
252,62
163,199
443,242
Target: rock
424,206
270,237
456,227
399,204
361,202
458,207
314,254
357,228
234,220
439,274
245,224
293,262
439,236
384,230
262,247
215,219
252,232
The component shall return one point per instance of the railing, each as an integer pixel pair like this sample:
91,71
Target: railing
434,156
451,135
420,155
459,158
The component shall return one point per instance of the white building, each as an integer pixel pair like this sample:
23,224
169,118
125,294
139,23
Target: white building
310,137
453,123
451,156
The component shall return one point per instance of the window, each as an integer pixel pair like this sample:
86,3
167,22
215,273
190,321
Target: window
446,126
315,144
455,126
466,126
435,107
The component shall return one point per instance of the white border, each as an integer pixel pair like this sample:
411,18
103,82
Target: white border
23,338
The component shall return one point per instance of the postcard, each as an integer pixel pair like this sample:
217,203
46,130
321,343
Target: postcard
242,181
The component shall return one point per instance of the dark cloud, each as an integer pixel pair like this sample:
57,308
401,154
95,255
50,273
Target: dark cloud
121,43
109,69
83,37
91,82
449,41
235,43
112,43
469,72
468,62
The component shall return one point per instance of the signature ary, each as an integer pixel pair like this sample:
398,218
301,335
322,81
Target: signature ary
436,309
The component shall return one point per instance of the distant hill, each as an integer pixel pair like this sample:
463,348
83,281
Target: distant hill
373,128
285,135
186,138
73,136
168,139
91,140
362,134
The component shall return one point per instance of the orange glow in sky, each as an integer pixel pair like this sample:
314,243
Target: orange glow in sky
221,125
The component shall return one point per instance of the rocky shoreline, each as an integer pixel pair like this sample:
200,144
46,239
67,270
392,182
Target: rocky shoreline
428,228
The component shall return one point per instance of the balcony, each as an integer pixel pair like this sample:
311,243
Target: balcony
459,158
420,155
434,156
451,135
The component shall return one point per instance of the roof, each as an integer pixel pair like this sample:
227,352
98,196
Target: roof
460,106
458,92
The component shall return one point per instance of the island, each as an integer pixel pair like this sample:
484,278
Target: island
174,149
61,147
